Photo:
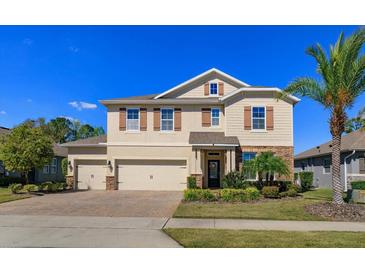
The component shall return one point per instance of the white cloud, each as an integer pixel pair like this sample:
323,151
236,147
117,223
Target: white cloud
82,105
28,41
73,49
2,112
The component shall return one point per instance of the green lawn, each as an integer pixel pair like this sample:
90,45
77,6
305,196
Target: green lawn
250,238
269,210
7,196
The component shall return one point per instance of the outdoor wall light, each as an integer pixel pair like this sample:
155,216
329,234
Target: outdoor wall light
110,164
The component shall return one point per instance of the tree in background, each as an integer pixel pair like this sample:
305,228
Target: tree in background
356,123
26,147
342,75
59,129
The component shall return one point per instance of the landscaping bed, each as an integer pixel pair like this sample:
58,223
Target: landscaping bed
345,212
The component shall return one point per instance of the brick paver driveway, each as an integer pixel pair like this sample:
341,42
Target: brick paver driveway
98,203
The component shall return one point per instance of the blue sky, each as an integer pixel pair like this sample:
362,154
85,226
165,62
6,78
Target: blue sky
63,71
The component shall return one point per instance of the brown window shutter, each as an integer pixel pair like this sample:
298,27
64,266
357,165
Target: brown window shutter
122,118
247,118
143,118
221,88
177,119
156,119
206,89
206,117
269,118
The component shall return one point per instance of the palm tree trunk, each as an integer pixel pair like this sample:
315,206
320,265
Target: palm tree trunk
336,169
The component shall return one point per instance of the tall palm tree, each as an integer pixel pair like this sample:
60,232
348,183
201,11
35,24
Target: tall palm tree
342,80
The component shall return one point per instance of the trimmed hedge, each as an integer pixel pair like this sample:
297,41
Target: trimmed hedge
6,181
30,188
306,180
358,185
226,195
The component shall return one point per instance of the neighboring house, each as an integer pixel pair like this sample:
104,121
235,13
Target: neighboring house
51,172
204,127
318,160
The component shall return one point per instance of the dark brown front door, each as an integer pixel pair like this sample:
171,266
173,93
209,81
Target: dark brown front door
213,173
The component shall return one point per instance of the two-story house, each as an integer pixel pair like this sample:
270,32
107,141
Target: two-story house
204,127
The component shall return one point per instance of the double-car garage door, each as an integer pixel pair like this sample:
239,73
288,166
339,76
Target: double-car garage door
137,175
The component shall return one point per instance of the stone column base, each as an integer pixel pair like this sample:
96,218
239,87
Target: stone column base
70,181
111,183
199,180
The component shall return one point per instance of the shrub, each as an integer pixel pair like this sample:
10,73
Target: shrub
192,182
306,180
30,188
358,185
46,186
64,165
270,191
6,181
252,193
290,193
229,194
235,179
295,176
199,195
15,188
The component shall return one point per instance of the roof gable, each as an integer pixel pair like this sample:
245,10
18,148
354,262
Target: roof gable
201,78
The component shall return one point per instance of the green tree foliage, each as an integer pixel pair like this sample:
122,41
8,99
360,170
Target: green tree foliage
356,123
59,129
342,81
26,147
64,165
266,165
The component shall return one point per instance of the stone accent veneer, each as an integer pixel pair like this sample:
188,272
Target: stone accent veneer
199,179
111,183
285,152
70,180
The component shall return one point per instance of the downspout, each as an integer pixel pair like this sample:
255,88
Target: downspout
345,166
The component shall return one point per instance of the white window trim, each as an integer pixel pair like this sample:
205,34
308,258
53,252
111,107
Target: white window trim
324,169
219,117
173,120
139,120
214,95
258,130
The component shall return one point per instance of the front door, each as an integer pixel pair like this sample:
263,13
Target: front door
213,173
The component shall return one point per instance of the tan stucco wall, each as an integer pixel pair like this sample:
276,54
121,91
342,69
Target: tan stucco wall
84,155
282,135
191,120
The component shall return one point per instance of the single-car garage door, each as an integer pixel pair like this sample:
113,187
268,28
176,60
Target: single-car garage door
91,177
152,174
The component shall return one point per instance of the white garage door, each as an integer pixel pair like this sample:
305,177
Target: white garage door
152,174
91,177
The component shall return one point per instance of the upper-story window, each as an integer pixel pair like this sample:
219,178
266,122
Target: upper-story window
167,119
213,88
215,117
133,119
258,118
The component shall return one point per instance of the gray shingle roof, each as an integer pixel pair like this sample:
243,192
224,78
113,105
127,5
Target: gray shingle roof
97,140
351,141
208,138
60,150
4,130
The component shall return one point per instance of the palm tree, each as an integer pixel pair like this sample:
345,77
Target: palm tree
266,164
342,80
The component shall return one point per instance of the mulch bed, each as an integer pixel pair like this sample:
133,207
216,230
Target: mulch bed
346,212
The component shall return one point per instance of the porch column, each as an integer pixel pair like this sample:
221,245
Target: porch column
228,161
233,160
111,175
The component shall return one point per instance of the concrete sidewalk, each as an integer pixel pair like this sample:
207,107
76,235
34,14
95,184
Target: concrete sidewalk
71,231
265,225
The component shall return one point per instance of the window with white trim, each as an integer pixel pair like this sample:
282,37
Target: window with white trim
53,166
326,166
133,119
213,88
46,169
167,119
215,117
258,118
